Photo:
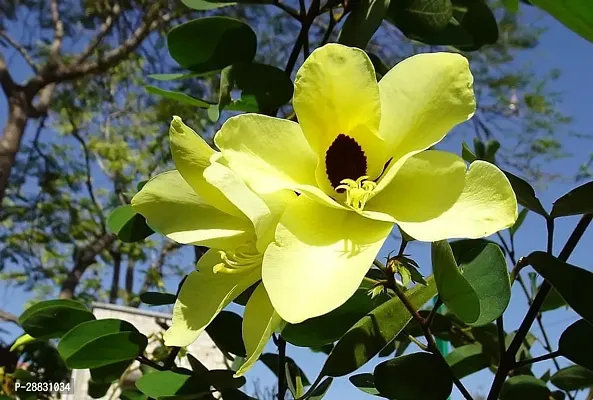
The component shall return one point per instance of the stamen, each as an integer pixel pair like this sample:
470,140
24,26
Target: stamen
244,258
358,192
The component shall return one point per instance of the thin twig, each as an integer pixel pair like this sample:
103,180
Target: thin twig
170,361
150,363
434,311
21,50
533,360
281,372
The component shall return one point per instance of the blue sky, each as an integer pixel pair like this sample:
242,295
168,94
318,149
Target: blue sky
559,48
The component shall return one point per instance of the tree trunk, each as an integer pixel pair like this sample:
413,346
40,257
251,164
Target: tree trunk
10,142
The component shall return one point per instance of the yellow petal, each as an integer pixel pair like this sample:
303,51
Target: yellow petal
319,258
203,295
259,322
270,154
336,93
172,208
191,155
487,205
250,204
426,185
422,99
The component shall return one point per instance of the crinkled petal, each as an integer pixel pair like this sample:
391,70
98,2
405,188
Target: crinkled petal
203,295
422,99
486,205
319,258
191,155
259,322
172,208
270,154
427,185
336,93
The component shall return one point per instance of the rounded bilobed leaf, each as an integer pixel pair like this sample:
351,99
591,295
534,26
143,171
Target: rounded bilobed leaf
468,359
157,298
129,226
573,283
414,376
374,331
574,377
328,328
524,387
169,383
577,201
211,43
576,344
99,343
225,331
53,318
478,291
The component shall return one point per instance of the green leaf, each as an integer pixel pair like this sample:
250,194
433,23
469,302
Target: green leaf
225,330
328,328
480,293
380,67
511,5
553,301
574,377
169,383
362,23
524,387
196,365
129,226
21,341
53,318
576,15
157,298
520,219
577,201
573,283
426,16
468,359
243,298
177,96
203,5
263,87
271,361
374,331
211,43
319,392
234,394
576,344
102,342
411,383
109,373
525,194
173,77
223,379
132,394
97,390
365,382
467,154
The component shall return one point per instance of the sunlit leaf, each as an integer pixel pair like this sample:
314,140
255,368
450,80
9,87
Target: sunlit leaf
168,383
129,226
576,15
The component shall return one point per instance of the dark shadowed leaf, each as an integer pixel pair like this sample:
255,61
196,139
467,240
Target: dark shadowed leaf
524,387
520,219
422,16
109,373
365,382
380,67
271,361
169,383
203,5
374,331
576,15
577,201
235,394
478,291
211,43
98,343
574,377
97,390
244,297
53,318
132,394
576,344
330,327
223,379
177,96
129,226
573,283
405,378
511,5
388,350
225,330
467,154
468,359
157,298
319,392
525,194
362,22
553,301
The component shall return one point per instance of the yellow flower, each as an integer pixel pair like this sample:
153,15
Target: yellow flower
359,158
203,202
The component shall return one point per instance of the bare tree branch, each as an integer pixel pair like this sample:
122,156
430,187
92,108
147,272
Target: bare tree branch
130,280
9,317
8,85
104,29
58,31
114,291
21,50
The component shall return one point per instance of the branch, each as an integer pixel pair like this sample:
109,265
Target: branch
58,31
22,51
545,357
103,31
129,285
82,260
8,85
9,317
114,290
